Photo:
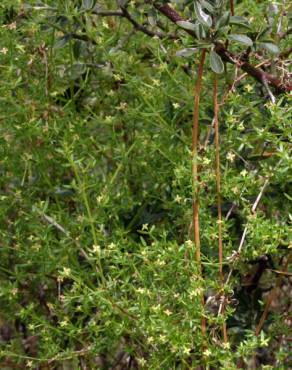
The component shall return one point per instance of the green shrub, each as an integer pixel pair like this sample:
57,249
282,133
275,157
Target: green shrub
98,264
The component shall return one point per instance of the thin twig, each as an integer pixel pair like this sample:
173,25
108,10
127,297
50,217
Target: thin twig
195,171
218,190
51,221
144,29
218,176
231,7
108,13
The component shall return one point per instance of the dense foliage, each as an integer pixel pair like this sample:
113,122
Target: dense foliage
99,266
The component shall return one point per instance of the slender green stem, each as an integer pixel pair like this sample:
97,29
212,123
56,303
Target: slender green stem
88,211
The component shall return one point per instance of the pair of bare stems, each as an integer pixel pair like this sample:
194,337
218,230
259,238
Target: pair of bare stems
196,179
196,190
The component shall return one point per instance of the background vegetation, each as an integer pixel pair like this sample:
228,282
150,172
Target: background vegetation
99,268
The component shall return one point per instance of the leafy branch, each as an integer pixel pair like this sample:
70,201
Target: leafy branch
229,57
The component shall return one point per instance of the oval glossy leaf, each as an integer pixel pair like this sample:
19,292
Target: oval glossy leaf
216,63
272,48
186,52
186,25
202,17
243,39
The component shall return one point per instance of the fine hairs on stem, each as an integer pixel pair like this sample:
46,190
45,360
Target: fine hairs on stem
195,171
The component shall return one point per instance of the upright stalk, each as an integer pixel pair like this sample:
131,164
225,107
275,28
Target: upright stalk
195,170
218,190
231,7
218,177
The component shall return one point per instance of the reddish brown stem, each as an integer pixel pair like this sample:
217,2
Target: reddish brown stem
195,170
218,190
231,7
218,177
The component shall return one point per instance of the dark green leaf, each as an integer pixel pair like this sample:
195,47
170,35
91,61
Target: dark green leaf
200,31
269,46
76,70
216,63
223,20
79,49
186,25
62,41
207,6
202,17
239,21
186,52
243,39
